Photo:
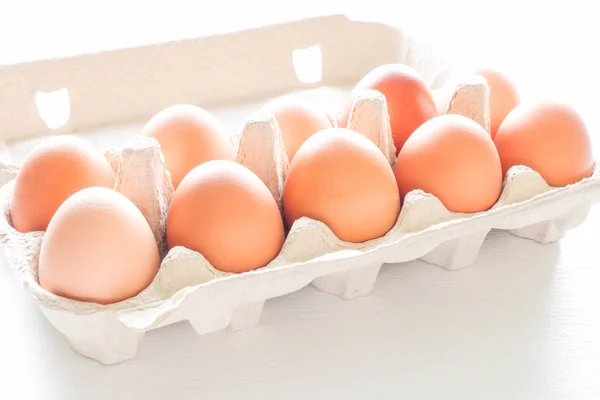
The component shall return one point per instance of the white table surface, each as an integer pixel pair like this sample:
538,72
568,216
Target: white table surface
522,323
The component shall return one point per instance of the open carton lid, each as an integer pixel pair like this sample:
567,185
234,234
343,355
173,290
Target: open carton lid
128,85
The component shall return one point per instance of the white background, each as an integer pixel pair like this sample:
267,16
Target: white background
522,323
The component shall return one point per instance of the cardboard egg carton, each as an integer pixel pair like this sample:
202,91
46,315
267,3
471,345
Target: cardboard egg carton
187,287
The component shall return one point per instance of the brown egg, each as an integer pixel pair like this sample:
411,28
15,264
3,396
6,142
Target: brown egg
52,172
98,248
503,97
188,136
410,103
339,177
453,158
298,119
550,138
226,213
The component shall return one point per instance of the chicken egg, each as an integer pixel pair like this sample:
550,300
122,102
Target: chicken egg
225,212
298,119
339,177
53,171
188,136
98,248
453,158
409,101
548,137
503,97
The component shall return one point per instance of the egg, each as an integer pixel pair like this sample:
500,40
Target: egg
298,119
409,101
53,171
98,248
226,213
453,158
503,97
188,136
339,177
548,137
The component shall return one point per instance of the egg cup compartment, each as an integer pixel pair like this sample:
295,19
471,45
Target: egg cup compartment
350,284
552,230
187,287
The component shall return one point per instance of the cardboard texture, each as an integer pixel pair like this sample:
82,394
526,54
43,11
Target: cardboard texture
187,287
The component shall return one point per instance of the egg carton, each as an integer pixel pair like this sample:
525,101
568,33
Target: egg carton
187,287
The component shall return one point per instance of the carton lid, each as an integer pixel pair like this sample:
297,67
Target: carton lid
126,85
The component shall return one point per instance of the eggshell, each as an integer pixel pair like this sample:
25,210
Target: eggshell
453,158
409,100
503,97
226,213
298,119
98,248
188,136
339,177
548,137
53,171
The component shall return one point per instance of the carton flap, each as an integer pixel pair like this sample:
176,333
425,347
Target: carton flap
127,85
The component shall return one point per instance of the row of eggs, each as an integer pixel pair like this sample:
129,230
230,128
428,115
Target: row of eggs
98,246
